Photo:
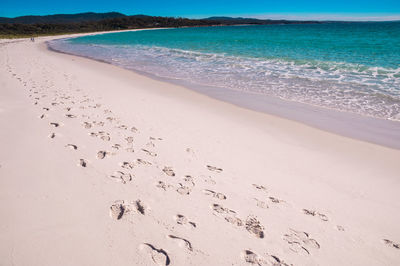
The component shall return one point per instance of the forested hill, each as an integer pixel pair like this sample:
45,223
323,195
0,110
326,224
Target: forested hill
92,22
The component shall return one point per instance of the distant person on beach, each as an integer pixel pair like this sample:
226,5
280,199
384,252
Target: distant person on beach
32,39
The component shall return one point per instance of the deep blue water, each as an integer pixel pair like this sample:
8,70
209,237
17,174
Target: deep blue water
352,67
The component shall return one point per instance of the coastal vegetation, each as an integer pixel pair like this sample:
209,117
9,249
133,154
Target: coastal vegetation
92,22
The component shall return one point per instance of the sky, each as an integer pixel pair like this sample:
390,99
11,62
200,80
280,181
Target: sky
275,9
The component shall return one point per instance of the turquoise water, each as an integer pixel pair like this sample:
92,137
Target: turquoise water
351,67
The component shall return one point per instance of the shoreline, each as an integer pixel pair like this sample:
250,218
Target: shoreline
139,171
356,126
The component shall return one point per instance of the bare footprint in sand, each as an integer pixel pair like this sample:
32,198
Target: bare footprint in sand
254,227
300,242
390,243
182,242
163,185
323,217
215,169
52,135
182,220
129,140
214,194
70,116
121,177
159,256
168,171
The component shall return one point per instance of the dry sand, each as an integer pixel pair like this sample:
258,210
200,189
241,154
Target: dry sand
102,166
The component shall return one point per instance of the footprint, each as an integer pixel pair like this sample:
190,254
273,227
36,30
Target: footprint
118,210
140,207
254,227
105,137
275,200
260,187
214,194
182,242
162,185
134,129
183,190
101,154
159,256
71,146
116,146
252,258
129,139
153,154
300,242
182,220
87,125
323,217
122,177
42,116
215,169
221,209
52,135
127,165
70,116
261,204
168,171
82,162
390,243
54,124
234,220
143,162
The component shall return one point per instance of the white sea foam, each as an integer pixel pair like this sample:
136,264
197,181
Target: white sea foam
373,91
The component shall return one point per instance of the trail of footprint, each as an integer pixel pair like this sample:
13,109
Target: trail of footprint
159,256
214,194
323,217
182,220
254,227
215,169
300,242
182,242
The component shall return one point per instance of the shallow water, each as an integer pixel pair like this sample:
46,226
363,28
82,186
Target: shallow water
352,67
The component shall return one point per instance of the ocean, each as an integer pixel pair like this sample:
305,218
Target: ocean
350,67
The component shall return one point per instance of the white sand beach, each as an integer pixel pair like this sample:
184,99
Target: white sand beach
102,166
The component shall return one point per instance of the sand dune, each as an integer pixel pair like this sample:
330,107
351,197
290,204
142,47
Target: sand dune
102,166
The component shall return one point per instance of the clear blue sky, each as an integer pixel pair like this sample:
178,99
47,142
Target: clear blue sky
302,9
